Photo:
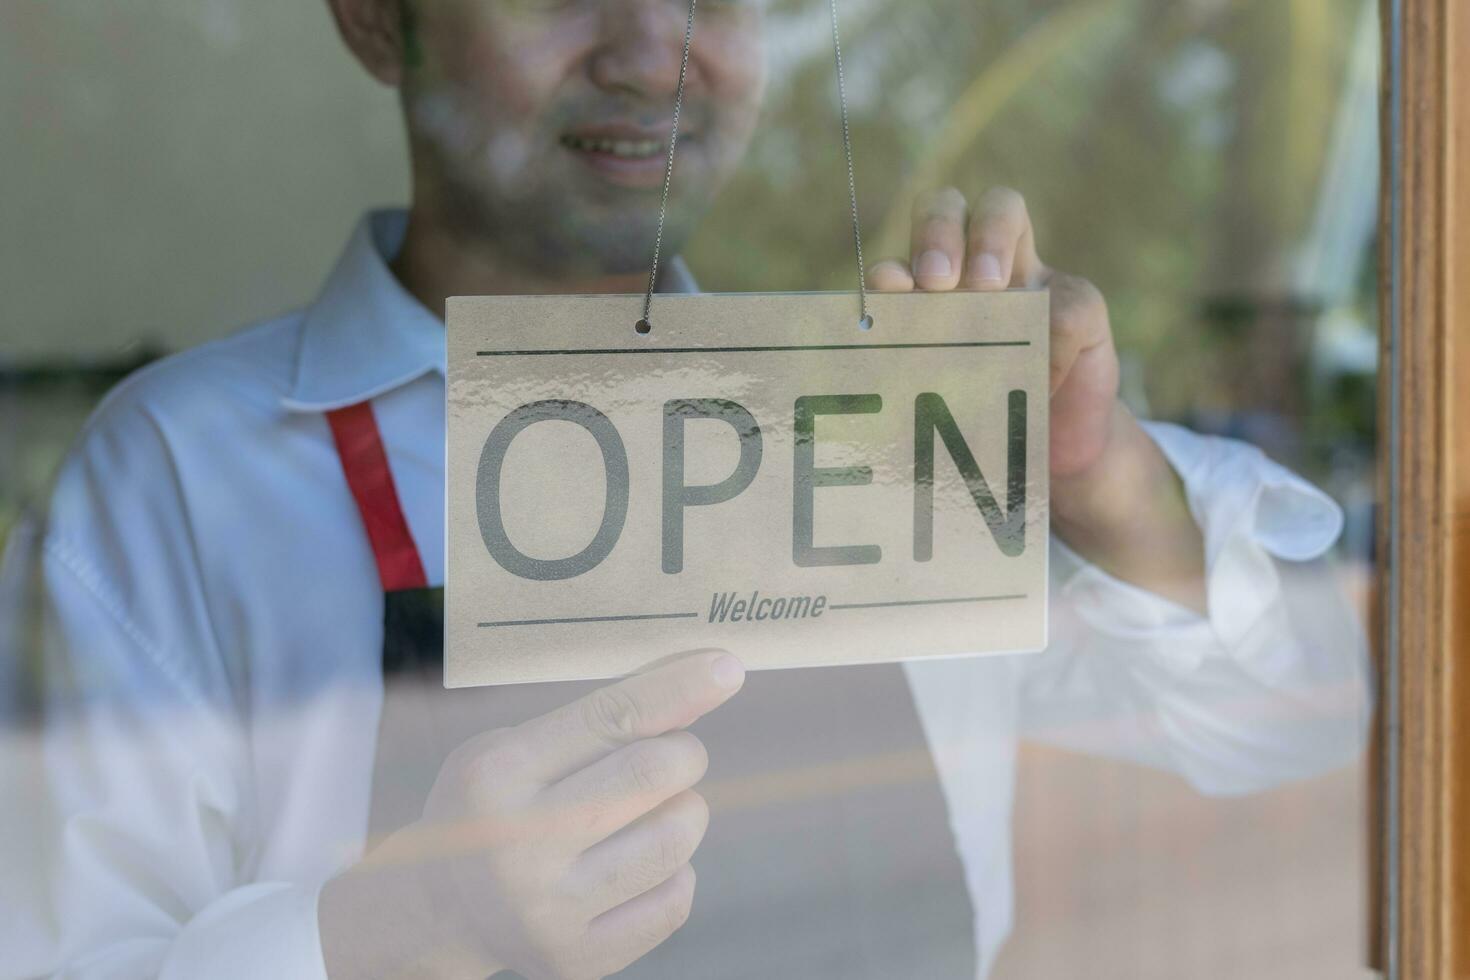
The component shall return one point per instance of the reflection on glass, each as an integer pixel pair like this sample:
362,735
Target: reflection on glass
229,752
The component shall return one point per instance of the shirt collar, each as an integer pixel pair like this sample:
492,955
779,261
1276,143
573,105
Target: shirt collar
366,334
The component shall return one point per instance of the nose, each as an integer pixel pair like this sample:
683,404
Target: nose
641,47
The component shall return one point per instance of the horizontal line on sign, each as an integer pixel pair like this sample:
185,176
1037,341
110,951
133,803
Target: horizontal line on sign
590,619
754,350
923,602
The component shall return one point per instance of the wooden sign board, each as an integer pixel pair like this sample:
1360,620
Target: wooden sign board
756,474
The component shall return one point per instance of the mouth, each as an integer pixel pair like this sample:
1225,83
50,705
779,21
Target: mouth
622,149
627,156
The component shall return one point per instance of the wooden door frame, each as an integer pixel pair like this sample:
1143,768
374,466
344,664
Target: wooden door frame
1425,411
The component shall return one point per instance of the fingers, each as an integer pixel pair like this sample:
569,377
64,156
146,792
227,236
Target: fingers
1001,244
891,276
616,790
626,933
645,854
990,246
667,698
938,246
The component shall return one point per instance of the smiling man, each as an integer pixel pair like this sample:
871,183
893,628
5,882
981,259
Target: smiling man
250,772
539,130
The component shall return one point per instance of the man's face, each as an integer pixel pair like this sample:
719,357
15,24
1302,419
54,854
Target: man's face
541,126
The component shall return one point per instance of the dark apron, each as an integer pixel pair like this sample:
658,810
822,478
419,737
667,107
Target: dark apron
829,852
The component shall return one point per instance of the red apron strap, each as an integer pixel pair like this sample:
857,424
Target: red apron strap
360,447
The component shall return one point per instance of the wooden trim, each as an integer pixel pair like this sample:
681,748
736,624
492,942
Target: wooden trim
1456,919
1427,539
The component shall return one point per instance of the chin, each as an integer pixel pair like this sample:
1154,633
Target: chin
613,254
620,240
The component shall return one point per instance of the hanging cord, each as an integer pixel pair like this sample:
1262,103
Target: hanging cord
864,320
645,325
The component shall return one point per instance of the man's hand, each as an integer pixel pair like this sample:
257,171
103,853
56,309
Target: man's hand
558,849
1115,498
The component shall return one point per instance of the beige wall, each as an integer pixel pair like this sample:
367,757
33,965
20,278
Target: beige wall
175,168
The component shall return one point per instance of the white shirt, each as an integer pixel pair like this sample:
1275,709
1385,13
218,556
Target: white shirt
213,631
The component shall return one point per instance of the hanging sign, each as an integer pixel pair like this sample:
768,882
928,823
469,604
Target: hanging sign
756,474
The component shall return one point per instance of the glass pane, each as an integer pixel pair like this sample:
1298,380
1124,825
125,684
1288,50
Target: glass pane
226,749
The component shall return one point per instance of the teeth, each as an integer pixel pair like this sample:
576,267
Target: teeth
630,149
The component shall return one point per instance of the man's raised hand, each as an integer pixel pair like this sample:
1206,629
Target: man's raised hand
990,244
1114,497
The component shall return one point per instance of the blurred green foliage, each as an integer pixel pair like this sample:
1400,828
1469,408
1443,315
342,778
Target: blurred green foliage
1170,150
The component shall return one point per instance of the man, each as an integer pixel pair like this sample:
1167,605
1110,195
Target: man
215,610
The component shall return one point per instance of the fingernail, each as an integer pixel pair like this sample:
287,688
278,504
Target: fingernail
933,264
986,268
728,672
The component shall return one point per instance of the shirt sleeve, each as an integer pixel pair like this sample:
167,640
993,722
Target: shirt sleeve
1271,685
137,855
